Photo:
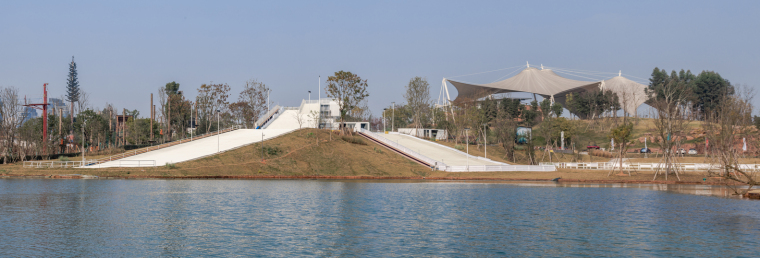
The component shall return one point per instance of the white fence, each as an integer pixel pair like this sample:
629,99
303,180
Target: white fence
647,166
57,164
441,134
496,168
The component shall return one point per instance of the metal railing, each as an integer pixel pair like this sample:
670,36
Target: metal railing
268,117
57,164
647,166
137,163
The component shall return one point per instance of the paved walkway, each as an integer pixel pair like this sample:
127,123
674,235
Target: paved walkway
201,148
448,156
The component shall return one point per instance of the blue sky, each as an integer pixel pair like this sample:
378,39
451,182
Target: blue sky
127,50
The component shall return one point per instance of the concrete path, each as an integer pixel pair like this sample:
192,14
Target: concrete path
448,156
201,148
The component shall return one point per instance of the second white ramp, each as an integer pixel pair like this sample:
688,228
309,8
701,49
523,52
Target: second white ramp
448,156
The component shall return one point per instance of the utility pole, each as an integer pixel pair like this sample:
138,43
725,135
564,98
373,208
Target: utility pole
60,126
110,128
467,142
151,117
218,130
169,117
384,128
124,126
485,143
83,148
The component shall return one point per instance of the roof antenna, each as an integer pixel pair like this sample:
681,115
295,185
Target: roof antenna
526,63
620,73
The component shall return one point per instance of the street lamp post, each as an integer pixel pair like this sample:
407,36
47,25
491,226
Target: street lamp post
467,143
384,128
218,136
83,148
309,97
394,115
485,142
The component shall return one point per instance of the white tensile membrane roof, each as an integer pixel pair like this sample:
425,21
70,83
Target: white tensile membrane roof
631,94
542,82
548,84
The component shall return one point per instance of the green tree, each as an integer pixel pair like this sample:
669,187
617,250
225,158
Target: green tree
622,135
709,88
557,109
172,88
545,108
349,90
418,99
72,87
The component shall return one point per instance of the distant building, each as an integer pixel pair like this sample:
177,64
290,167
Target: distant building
27,113
56,105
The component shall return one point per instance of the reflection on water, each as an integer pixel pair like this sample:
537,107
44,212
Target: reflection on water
40,217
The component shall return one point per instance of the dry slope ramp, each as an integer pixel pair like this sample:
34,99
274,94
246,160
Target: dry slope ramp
201,148
447,155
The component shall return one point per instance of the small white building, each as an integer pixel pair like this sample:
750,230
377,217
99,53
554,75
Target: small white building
323,113
438,134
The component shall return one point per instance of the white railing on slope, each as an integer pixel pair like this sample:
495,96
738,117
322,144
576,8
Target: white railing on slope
137,163
56,163
647,166
271,116
431,162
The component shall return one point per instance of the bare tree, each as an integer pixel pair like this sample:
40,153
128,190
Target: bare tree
348,90
726,127
299,119
212,98
418,99
162,100
505,129
314,118
83,103
670,100
254,94
12,113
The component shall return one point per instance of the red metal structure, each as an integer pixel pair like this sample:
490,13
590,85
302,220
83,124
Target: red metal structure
44,108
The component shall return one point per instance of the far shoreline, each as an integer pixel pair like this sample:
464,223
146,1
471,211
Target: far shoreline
379,178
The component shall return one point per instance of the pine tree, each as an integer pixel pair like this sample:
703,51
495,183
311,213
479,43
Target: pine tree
72,89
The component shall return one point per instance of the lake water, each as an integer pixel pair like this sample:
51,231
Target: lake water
149,218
